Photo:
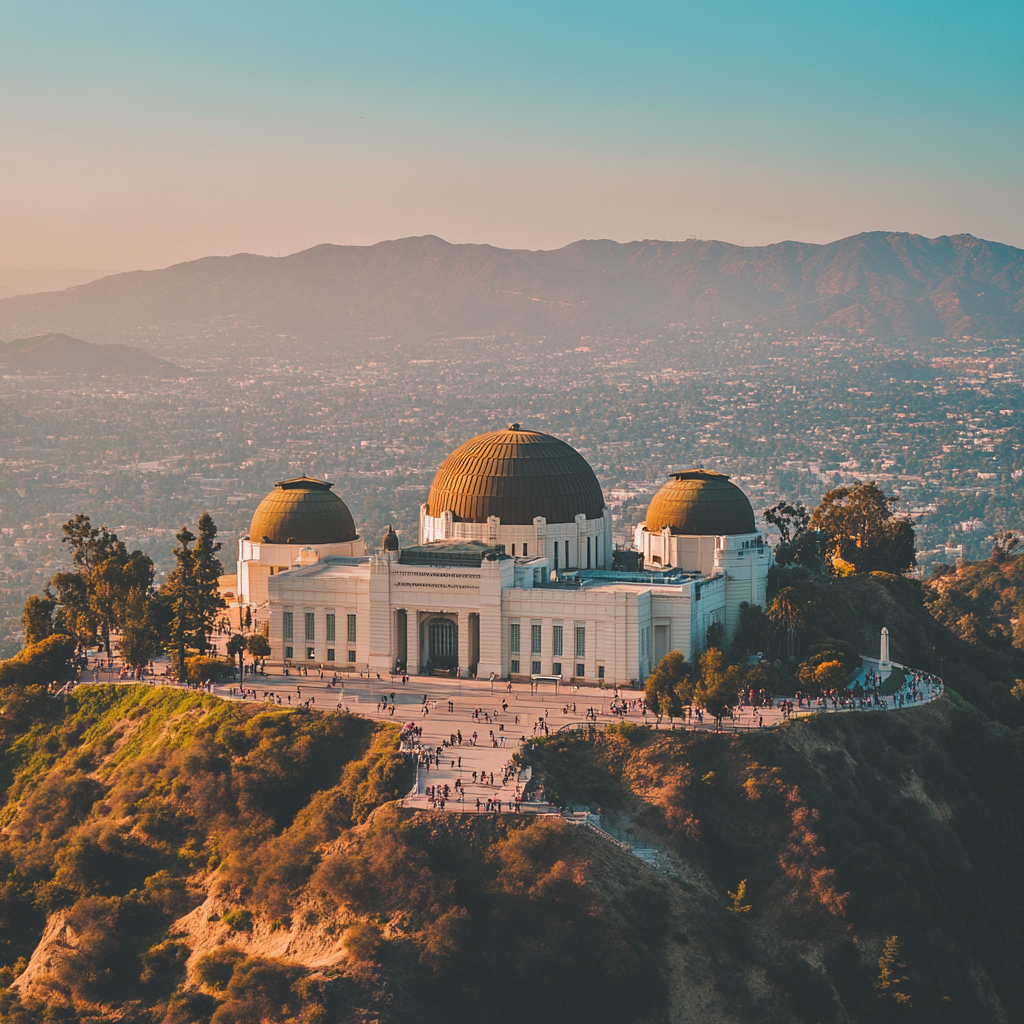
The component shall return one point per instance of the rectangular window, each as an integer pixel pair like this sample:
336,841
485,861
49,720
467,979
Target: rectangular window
289,628
524,550
580,671
581,641
556,668
352,657
330,654
535,667
556,556
310,625
535,638
351,629
513,637
514,667
588,552
330,627
310,653
556,640
600,671
289,652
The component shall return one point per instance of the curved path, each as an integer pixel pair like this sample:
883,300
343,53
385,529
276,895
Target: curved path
454,706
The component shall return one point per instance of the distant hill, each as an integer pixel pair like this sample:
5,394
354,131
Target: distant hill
57,353
881,283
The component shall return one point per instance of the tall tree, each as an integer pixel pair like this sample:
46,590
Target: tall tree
862,535
37,617
799,544
208,569
140,636
179,592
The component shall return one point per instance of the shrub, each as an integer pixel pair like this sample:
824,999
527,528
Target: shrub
163,964
363,941
239,920
214,970
50,660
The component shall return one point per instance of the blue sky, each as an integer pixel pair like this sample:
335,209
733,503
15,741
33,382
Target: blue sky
140,134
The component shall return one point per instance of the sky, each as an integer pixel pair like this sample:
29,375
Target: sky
134,135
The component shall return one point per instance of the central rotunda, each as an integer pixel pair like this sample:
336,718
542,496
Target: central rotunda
524,489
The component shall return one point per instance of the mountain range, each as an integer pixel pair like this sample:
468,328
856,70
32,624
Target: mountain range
57,353
879,283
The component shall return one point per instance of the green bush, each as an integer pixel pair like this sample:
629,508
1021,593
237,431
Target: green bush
50,660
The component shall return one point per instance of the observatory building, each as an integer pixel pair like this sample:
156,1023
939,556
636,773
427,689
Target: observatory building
512,574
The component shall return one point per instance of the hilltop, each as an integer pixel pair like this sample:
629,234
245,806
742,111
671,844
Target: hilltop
58,353
878,283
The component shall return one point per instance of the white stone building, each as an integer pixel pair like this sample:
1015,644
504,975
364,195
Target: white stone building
512,574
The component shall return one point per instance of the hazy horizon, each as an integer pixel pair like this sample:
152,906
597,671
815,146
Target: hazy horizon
143,136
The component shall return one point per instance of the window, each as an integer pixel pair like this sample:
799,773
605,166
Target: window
289,627
524,550
535,638
513,637
352,657
513,551
535,667
330,627
310,626
556,639
556,556
310,653
581,641
351,629
580,671
330,654
514,666
600,671
289,652
588,552
556,668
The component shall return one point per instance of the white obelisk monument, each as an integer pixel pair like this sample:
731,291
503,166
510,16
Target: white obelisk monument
884,665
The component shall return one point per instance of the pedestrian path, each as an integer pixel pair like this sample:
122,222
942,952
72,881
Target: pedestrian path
464,733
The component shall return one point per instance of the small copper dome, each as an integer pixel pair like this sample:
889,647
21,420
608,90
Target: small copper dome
700,502
389,542
516,474
302,511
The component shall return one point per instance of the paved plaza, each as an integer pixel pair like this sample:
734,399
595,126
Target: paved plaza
493,719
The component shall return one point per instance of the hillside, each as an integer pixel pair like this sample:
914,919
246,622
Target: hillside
167,856
881,283
58,353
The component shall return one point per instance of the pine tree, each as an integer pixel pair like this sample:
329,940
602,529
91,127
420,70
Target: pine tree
180,593
208,569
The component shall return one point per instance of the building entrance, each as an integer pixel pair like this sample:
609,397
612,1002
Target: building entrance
442,643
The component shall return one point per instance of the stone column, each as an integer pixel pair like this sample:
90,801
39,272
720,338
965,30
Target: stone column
413,640
463,621
883,654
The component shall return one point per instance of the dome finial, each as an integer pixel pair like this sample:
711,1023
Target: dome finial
514,426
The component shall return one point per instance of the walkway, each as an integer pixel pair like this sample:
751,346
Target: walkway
494,721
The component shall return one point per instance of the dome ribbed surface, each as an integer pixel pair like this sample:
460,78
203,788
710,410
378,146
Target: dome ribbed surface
516,475
302,511
700,502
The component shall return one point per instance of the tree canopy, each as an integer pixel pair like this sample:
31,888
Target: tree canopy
862,535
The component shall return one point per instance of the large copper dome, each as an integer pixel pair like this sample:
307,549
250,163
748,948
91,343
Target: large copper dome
515,474
700,502
302,511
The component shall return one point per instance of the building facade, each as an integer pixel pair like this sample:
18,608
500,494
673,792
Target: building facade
512,573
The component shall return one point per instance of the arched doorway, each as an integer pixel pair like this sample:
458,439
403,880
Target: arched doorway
442,643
